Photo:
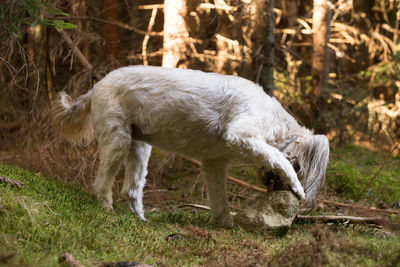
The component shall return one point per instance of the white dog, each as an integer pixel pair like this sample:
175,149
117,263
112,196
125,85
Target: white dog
207,116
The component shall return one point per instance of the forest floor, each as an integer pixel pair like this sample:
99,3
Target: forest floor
47,217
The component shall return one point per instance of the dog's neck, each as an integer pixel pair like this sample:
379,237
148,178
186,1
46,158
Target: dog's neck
291,140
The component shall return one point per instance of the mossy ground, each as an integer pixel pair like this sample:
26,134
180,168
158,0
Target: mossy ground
47,217
351,168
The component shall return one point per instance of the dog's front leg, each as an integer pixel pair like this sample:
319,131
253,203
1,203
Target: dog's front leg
214,172
258,151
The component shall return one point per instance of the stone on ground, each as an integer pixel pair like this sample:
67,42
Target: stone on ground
273,210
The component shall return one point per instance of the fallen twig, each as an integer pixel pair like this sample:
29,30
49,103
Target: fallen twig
235,180
340,218
339,204
201,207
70,260
326,218
11,181
124,264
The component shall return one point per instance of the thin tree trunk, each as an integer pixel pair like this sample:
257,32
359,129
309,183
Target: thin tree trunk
175,34
79,9
268,80
320,64
265,43
111,31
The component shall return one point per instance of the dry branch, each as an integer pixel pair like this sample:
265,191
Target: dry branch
119,24
325,218
234,180
201,207
339,204
340,218
79,54
160,6
11,181
70,260
147,37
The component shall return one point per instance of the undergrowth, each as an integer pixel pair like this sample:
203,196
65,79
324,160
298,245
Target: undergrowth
48,217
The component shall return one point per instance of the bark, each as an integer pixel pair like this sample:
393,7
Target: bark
264,43
111,31
79,8
320,66
268,77
175,34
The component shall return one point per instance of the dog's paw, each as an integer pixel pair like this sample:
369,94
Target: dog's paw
107,207
141,216
225,221
138,213
298,190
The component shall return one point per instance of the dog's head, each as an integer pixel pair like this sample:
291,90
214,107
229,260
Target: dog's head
311,156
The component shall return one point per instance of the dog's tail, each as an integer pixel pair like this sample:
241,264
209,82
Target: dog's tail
72,118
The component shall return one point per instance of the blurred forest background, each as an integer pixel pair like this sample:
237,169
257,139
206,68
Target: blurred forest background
333,64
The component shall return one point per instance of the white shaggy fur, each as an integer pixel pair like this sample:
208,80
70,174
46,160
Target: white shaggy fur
211,117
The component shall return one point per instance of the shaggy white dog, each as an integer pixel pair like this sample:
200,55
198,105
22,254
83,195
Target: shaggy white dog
207,116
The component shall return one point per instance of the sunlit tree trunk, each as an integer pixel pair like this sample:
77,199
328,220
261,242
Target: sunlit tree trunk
264,25
175,34
111,31
320,61
321,32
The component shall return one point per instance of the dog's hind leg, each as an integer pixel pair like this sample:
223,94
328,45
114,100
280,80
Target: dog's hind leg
258,151
135,176
214,172
113,147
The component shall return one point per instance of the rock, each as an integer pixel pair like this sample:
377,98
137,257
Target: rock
273,210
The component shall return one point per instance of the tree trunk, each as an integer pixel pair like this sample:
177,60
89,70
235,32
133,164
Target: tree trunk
79,8
175,34
320,64
111,31
265,43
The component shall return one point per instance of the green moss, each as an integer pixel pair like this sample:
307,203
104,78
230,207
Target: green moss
350,169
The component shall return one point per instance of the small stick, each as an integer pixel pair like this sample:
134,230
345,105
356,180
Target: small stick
334,203
70,260
201,207
11,181
339,218
235,180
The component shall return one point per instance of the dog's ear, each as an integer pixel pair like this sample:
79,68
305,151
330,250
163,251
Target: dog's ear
313,157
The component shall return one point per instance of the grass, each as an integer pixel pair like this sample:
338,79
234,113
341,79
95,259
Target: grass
351,168
48,217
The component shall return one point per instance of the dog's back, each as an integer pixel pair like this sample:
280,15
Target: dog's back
171,108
